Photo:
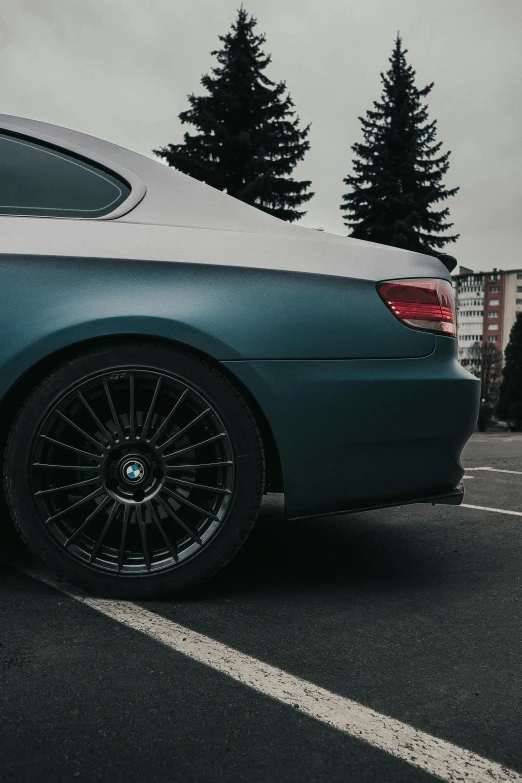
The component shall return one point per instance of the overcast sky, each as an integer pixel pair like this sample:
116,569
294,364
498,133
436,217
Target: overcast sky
121,70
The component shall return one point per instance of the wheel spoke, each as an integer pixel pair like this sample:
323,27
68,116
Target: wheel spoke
71,448
104,532
94,480
115,418
169,417
96,420
75,505
82,432
185,429
65,467
143,534
155,519
193,484
188,503
148,418
195,446
226,464
132,429
168,508
86,521
121,553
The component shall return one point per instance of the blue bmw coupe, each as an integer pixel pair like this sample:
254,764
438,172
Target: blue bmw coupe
170,354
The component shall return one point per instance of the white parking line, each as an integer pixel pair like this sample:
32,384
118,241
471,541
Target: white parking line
502,438
495,510
497,470
435,756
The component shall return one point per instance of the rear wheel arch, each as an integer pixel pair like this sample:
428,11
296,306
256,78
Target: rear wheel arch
22,387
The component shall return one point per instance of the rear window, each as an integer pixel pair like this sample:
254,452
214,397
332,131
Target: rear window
36,179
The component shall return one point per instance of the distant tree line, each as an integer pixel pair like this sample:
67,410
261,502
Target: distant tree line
510,400
247,139
500,387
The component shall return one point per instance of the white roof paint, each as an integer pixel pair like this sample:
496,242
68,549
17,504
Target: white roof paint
183,220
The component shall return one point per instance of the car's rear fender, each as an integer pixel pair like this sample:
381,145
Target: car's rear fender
227,312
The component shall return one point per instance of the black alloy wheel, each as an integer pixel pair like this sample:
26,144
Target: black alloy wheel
122,470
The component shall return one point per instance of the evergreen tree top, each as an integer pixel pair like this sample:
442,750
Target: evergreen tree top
399,167
242,48
248,138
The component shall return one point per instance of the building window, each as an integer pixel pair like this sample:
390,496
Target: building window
492,327
492,338
519,301
519,276
493,314
519,289
493,277
493,302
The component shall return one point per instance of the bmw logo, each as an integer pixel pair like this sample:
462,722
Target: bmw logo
133,471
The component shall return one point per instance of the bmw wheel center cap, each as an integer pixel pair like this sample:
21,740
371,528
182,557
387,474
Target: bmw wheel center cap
133,470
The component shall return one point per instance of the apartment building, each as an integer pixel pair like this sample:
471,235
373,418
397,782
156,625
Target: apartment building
487,304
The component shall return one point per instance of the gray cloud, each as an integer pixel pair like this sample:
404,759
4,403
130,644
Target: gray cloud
121,70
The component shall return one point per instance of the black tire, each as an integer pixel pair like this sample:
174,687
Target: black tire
230,488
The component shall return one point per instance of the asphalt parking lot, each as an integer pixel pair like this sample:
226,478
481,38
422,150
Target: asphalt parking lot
413,612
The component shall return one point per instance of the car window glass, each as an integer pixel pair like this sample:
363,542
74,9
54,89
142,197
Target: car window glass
40,180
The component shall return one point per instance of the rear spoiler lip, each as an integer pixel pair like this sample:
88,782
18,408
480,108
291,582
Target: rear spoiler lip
450,262
452,498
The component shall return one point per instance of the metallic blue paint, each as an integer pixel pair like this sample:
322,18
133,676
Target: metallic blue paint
228,313
356,433
363,410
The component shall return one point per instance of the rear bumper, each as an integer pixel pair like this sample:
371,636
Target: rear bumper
360,434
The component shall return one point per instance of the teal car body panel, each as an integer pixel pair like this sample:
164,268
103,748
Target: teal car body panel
363,433
387,428
363,410
226,313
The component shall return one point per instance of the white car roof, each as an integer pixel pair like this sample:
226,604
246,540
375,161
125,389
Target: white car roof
162,197
172,198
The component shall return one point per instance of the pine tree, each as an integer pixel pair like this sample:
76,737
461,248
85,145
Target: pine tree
398,169
510,403
484,360
247,139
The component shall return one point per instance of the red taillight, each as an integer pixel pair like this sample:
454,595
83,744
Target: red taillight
428,305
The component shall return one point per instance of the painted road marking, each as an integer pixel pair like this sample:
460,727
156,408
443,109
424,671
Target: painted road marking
497,470
431,754
495,510
503,438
